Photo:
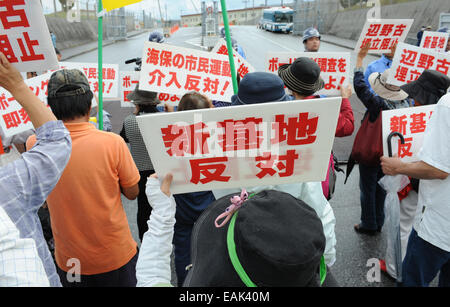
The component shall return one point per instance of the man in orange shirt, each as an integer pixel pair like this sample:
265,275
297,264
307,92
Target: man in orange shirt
93,242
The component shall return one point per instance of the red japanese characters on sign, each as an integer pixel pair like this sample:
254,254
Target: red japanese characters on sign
175,70
228,147
334,67
25,39
13,118
410,61
110,75
242,66
411,123
383,34
437,41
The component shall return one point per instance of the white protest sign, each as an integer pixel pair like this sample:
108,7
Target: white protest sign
382,34
410,61
434,40
242,66
14,119
411,123
24,36
250,145
110,77
176,70
128,81
334,67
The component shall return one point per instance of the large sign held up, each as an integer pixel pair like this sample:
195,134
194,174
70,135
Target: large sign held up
411,123
410,61
251,145
175,70
382,34
334,67
24,36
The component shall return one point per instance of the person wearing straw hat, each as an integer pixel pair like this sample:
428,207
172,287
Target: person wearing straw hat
261,87
386,97
264,239
302,78
145,102
428,250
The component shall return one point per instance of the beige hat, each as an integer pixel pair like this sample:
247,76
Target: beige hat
383,89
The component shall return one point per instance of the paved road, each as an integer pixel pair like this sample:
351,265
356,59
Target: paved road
353,250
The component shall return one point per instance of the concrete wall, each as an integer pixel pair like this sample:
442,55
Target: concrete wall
348,24
72,34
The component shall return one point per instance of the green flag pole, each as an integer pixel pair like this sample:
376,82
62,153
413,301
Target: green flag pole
229,45
100,66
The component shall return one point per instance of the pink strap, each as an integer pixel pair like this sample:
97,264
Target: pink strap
236,203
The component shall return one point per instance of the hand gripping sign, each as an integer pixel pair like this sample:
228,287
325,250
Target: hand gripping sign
251,145
13,118
437,41
24,36
334,67
411,123
242,66
175,70
128,82
410,61
382,34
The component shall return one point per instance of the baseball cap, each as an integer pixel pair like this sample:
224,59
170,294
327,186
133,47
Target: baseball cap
62,78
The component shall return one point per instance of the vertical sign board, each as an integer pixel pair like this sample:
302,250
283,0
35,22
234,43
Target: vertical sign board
411,123
382,34
24,36
334,67
250,145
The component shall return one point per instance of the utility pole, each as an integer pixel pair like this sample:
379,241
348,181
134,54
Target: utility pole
54,6
245,2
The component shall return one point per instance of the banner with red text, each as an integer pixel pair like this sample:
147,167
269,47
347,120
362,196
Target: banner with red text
110,77
434,40
334,67
410,61
24,36
176,70
411,123
383,34
250,145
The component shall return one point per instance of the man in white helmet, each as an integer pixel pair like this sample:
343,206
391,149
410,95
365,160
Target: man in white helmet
311,40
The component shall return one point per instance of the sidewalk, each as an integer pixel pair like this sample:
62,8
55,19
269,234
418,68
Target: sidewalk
75,51
341,42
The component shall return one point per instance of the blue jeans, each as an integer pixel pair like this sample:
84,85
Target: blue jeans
372,197
422,263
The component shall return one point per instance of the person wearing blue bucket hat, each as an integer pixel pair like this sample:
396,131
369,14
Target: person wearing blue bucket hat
259,87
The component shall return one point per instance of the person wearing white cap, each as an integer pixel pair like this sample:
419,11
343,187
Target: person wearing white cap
311,40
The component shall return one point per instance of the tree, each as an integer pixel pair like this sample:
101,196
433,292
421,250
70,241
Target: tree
350,3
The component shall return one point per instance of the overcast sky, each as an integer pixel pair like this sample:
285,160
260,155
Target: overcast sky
174,7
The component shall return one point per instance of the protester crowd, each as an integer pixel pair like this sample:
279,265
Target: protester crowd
273,235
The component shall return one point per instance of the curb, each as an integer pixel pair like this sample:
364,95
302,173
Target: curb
96,47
